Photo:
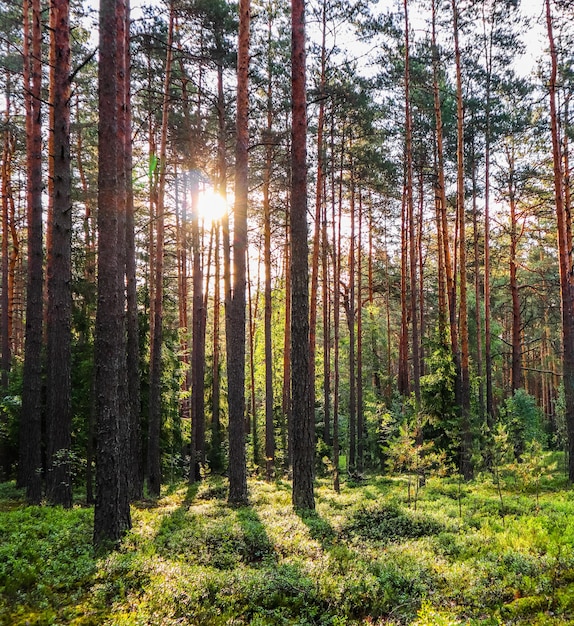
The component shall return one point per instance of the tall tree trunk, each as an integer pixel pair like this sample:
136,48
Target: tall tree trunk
59,273
112,512
360,411
326,325
30,460
136,469
466,436
286,399
440,199
336,221
269,424
317,221
487,303
303,418
154,425
517,379
564,250
411,218
350,310
236,313
197,339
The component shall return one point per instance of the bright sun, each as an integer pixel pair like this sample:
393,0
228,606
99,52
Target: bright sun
211,206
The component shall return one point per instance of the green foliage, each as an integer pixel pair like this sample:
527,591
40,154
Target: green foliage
388,523
522,418
360,558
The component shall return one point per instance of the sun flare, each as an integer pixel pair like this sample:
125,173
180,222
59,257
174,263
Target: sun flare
211,206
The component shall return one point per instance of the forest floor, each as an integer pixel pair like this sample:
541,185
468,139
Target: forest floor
468,554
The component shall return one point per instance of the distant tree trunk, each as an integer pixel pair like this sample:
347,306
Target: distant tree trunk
30,461
360,408
136,469
197,339
477,286
216,455
317,221
412,262
564,248
440,200
466,436
6,173
517,378
350,311
154,425
269,425
336,221
326,327
59,274
112,512
236,314
303,418
403,365
252,305
286,400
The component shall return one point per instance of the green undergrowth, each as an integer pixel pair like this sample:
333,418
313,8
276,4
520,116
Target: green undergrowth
364,556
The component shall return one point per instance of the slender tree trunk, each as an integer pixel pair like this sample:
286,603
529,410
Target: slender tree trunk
564,251
269,424
197,339
350,309
413,314
487,308
440,199
466,436
286,400
236,313
360,411
30,460
477,286
326,326
303,419
317,221
517,379
216,434
59,273
403,365
336,219
154,424
136,470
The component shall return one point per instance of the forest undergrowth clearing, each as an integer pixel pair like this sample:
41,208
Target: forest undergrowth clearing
365,556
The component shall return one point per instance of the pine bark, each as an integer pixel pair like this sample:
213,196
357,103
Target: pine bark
31,414
466,436
112,512
303,420
236,313
564,250
154,425
59,271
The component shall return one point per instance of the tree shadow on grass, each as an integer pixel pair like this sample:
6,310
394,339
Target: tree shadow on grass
319,528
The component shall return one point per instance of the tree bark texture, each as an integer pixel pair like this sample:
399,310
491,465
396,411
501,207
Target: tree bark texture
236,314
303,419
59,271
31,414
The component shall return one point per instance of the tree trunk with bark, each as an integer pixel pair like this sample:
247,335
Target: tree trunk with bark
303,419
236,314
30,461
112,511
59,271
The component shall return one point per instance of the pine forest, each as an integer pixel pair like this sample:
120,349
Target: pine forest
286,312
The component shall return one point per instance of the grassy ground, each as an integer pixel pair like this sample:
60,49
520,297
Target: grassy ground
365,557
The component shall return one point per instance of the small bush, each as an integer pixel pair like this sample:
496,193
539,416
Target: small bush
391,524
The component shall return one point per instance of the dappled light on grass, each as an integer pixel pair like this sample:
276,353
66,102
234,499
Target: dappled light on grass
363,557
